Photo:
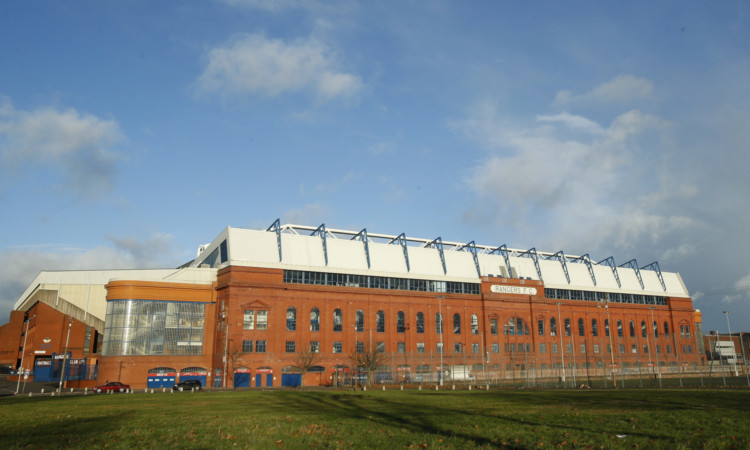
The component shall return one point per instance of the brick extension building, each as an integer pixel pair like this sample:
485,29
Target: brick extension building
254,303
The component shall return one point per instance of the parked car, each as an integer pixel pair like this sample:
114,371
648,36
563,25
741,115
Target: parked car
114,386
187,385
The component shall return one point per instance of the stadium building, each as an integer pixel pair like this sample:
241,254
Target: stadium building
294,305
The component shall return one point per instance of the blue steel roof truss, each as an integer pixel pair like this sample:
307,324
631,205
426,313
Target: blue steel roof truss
276,227
473,249
362,236
503,250
321,231
531,253
438,244
633,264
586,260
655,267
560,256
611,263
401,239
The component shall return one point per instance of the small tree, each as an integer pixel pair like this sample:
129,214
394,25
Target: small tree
368,359
306,359
233,354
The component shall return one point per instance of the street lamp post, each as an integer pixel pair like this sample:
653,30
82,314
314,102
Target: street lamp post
611,346
559,332
65,356
23,352
442,349
734,360
742,349
656,346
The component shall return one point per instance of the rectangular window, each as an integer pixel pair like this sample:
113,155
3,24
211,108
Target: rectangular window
596,349
669,349
401,347
495,348
690,349
420,347
439,347
512,348
249,320
633,349
315,346
360,347
542,348
554,348
262,320
337,347
622,348
658,349
260,346
582,349
540,326
475,348
291,346
247,346
380,347
457,348
569,348
645,348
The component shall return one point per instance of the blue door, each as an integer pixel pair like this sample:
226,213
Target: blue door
160,381
258,378
291,379
269,380
241,379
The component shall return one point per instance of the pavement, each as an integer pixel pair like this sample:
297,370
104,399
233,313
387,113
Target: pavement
8,387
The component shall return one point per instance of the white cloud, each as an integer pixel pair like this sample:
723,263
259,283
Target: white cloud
310,213
24,264
82,146
574,122
621,89
255,65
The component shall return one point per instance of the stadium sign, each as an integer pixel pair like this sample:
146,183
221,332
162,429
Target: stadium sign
505,289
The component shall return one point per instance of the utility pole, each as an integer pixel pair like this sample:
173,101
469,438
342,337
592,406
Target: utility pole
23,352
65,357
656,346
611,346
559,332
442,349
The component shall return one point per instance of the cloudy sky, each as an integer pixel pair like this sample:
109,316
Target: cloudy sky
133,131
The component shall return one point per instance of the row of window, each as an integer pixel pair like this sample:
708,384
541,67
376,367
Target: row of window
612,297
373,282
249,346
516,326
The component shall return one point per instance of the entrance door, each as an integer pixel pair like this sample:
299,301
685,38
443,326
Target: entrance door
241,379
269,380
258,378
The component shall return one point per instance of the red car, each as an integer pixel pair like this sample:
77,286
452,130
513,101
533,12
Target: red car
114,386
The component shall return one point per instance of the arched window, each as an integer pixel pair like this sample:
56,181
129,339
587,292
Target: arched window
474,324
380,322
567,327
338,320
594,328
581,327
493,326
510,328
521,327
553,327
359,321
632,329
606,327
420,322
656,330
619,328
291,319
457,323
315,319
644,332
438,323
666,329
400,322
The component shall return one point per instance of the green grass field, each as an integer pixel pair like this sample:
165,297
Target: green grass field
411,419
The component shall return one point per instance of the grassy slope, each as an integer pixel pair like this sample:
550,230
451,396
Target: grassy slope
655,418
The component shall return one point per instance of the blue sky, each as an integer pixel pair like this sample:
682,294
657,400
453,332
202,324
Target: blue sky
133,131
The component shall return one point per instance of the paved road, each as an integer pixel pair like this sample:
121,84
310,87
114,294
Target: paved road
8,387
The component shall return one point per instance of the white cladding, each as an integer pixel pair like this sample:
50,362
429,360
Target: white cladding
306,252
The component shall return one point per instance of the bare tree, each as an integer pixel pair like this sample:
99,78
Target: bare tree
306,359
368,359
233,354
